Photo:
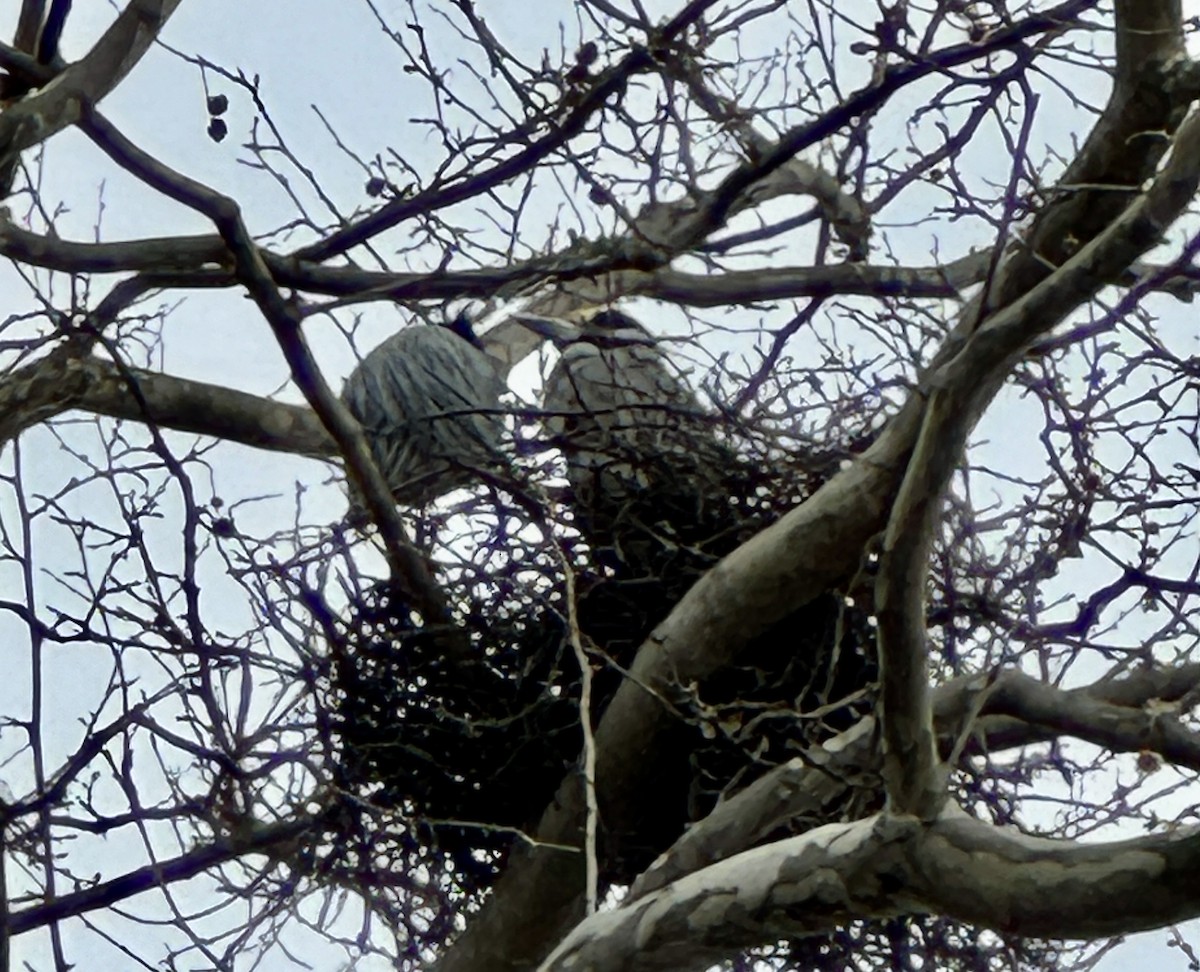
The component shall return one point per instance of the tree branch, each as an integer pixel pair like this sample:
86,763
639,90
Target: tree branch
264,839
59,383
885,867
61,102
1129,714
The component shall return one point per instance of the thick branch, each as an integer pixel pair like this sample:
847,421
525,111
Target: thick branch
196,406
959,395
828,876
167,253
60,103
59,383
883,867
1124,715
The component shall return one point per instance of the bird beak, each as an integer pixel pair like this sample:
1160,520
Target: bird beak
552,328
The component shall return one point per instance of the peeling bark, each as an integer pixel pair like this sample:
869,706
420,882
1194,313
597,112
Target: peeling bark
889,866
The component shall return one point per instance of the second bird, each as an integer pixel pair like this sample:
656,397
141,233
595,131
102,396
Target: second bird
428,399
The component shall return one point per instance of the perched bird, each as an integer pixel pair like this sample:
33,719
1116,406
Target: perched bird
428,399
642,455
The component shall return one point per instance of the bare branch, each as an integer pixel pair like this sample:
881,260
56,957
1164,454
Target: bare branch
881,867
36,117
267,839
1131,714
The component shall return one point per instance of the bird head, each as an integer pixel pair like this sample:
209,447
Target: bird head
602,327
462,326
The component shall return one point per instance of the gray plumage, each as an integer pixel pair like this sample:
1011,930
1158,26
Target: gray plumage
638,446
613,397
428,400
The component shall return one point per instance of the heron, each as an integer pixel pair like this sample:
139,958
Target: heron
428,399
642,455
